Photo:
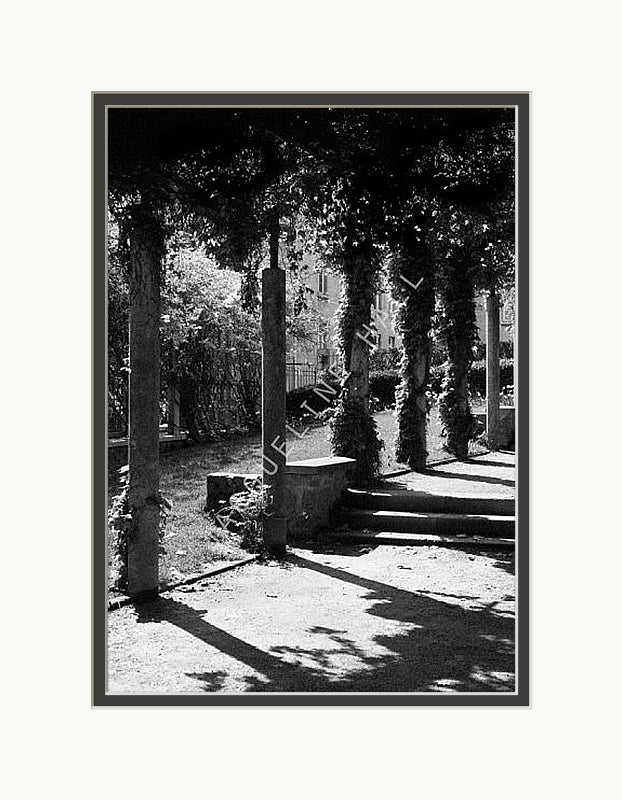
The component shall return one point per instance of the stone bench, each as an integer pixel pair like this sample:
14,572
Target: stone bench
313,489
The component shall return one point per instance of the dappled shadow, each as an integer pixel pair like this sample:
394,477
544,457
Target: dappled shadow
281,676
211,681
449,648
441,647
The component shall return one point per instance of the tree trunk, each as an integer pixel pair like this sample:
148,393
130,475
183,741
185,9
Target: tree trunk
353,430
457,322
146,250
412,279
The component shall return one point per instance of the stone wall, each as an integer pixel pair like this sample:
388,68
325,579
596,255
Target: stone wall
313,490
118,455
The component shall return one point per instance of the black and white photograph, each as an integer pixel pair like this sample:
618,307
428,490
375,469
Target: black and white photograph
312,326
310,449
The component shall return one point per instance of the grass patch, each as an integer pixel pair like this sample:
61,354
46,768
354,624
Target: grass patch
193,542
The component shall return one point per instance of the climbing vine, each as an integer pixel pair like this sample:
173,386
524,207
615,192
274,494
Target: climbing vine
412,284
354,433
457,328
120,527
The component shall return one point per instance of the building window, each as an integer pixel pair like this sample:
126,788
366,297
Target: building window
322,283
391,341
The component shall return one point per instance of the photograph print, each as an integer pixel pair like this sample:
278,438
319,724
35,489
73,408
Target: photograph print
310,415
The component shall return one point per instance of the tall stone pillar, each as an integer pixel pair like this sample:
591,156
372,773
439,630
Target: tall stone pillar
492,369
146,248
174,416
273,399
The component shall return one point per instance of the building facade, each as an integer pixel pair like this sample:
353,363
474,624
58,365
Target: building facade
323,292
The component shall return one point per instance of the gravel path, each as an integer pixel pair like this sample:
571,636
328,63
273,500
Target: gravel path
355,619
490,475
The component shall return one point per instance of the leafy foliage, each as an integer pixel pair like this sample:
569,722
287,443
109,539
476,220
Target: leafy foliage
211,342
382,385
120,524
457,422
245,516
319,399
477,376
413,283
383,359
348,183
457,326
354,434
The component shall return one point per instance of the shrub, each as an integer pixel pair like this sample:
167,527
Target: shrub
477,375
384,359
320,398
382,386
245,515
506,349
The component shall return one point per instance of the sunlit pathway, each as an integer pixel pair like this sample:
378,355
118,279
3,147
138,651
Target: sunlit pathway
356,619
489,475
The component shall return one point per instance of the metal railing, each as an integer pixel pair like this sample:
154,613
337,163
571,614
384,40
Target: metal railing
297,376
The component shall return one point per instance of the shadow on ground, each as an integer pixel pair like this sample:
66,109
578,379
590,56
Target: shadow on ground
444,648
461,476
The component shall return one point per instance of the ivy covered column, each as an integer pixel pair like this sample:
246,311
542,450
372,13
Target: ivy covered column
458,328
353,430
146,252
412,286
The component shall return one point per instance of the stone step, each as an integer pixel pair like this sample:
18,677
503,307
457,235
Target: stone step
492,525
407,500
420,539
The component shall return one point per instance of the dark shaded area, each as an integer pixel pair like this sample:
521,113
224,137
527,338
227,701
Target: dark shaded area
329,547
504,561
476,478
451,648
401,497
212,681
487,463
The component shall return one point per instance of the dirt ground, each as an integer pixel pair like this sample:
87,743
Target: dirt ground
346,619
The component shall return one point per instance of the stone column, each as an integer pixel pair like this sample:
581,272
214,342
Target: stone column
273,399
174,422
146,249
492,369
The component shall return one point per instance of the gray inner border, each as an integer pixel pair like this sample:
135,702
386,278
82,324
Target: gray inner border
100,101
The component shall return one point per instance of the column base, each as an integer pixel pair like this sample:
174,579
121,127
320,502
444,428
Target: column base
275,535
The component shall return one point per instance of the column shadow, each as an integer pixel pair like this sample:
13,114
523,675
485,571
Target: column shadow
470,477
448,648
